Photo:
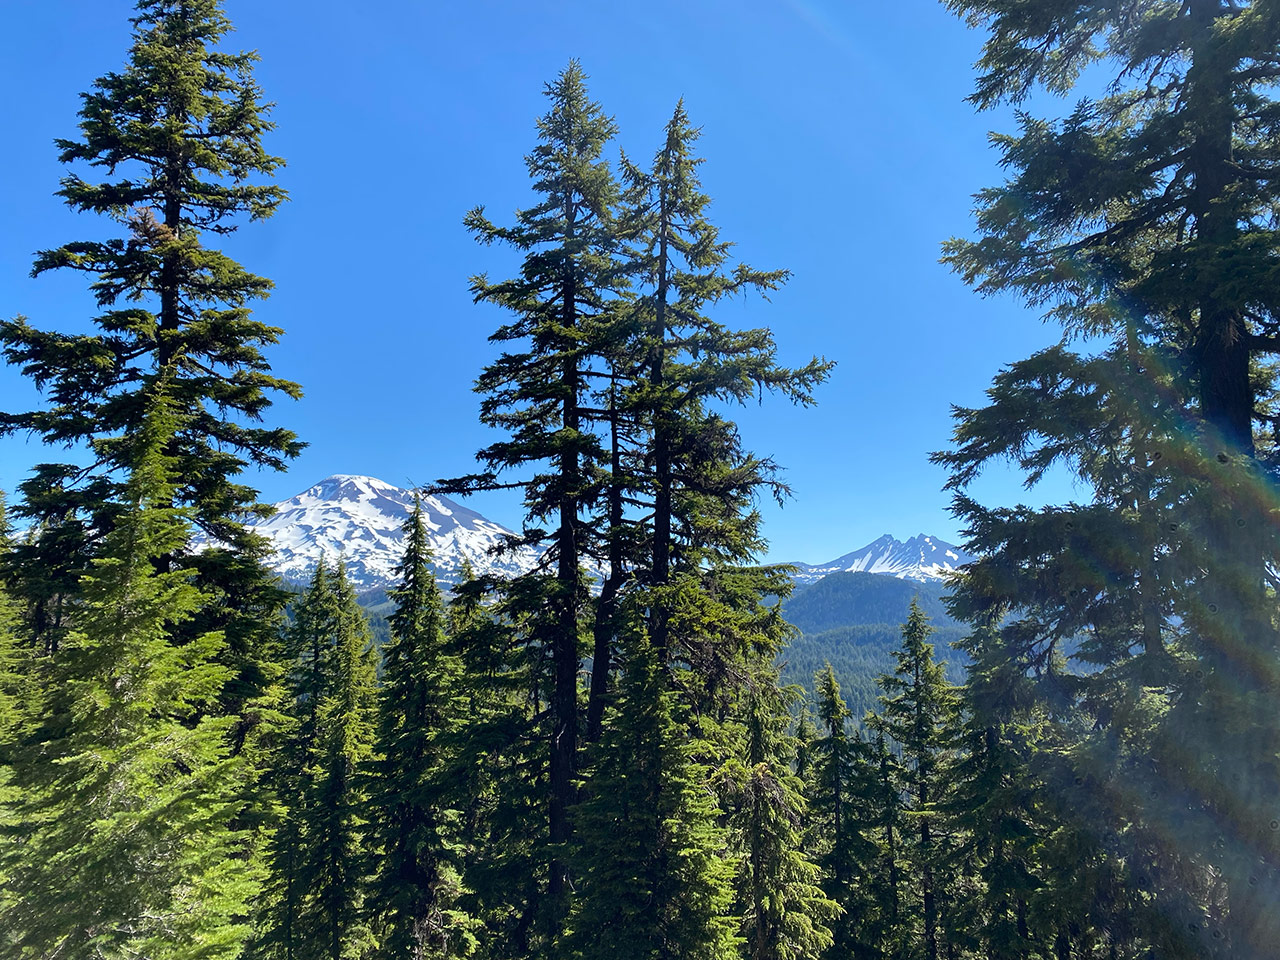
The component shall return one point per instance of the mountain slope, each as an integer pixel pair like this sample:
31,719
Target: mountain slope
922,558
854,622
840,599
359,519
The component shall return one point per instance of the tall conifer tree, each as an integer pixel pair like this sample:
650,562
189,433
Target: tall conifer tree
701,484
785,914
994,801
654,880
539,393
313,906
178,132
841,816
1146,215
18,694
337,807
919,713
415,877
308,643
499,763
888,879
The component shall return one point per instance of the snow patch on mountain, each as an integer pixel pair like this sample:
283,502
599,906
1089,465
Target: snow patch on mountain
922,558
359,519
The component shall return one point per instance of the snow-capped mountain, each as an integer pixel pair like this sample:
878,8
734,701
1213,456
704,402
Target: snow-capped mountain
359,519
920,558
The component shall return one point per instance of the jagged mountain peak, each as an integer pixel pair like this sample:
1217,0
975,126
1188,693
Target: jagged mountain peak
922,558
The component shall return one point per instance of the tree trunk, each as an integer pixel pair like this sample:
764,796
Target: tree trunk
661,442
1240,634
564,642
606,608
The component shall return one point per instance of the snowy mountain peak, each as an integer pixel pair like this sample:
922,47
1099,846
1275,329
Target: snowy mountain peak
359,519
921,558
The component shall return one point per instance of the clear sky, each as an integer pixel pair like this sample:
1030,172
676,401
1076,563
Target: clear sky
838,145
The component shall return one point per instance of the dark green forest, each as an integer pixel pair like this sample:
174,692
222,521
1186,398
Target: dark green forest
658,764
853,622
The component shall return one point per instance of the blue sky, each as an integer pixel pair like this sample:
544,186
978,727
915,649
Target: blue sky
838,146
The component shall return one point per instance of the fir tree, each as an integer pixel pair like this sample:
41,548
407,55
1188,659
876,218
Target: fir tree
540,393
313,905
415,883
919,714
699,481
994,802
1122,726
308,643
785,914
654,882
178,132
14,682
1145,217
888,879
17,693
498,768
336,807
841,816
128,796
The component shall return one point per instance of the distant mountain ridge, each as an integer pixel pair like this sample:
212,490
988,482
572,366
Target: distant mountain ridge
922,558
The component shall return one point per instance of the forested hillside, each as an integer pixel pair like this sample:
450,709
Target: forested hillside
853,621
199,763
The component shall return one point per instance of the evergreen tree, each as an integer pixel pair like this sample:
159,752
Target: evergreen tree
699,481
128,796
14,682
498,771
313,904
994,802
654,882
785,914
308,644
842,815
16,695
1146,217
806,738
888,879
415,883
540,393
178,132
337,807
919,715
1129,715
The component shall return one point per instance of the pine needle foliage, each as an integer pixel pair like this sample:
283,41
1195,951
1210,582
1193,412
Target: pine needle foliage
539,393
177,134
415,882
919,713
841,819
785,913
654,882
337,804
1145,217
128,794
